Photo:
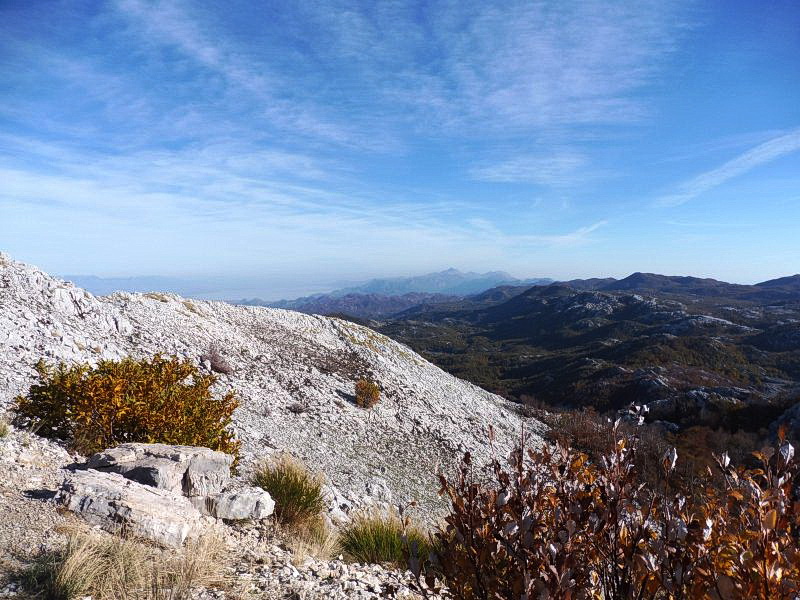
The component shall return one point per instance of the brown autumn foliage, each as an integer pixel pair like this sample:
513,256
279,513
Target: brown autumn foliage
164,400
368,393
554,524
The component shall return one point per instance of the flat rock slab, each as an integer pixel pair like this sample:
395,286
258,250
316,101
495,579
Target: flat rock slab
113,502
190,470
237,505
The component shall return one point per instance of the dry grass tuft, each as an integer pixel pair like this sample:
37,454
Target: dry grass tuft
315,539
157,296
108,567
297,491
191,307
3,428
382,537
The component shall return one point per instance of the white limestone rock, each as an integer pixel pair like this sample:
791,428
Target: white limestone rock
113,502
191,470
425,420
249,503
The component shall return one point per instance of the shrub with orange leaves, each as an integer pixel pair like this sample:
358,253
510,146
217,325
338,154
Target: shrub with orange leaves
368,393
164,400
553,524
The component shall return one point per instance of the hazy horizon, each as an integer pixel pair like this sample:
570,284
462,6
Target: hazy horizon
235,289
303,144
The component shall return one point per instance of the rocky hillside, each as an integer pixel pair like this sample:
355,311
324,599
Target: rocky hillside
730,360
294,374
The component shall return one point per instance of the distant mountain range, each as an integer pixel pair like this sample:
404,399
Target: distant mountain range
651,283
369,306
383,297
452,289
448,282
390,298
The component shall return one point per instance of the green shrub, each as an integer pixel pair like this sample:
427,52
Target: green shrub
382,538
367,393
296,491
154,400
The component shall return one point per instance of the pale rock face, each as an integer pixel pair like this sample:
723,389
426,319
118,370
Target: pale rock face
237,505
424,422
189,470
183,476
378,489
111,501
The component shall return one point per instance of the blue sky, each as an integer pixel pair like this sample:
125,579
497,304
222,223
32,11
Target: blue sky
325,141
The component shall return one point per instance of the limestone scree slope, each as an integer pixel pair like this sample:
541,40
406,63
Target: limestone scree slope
294,375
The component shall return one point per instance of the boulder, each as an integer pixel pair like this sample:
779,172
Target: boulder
190,470
113,502
236,505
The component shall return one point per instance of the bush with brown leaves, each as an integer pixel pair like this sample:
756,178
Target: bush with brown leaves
94,407
554,524
368,393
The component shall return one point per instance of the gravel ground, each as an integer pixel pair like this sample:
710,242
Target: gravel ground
29,522
261,565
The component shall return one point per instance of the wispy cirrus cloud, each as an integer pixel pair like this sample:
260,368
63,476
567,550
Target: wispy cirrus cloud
559,169
483,229
761,154
548,65
267,94
283,206
461,68
290,128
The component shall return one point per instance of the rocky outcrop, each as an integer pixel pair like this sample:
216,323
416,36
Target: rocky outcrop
260,565
189,470
160,492
282,360
247,503
115,503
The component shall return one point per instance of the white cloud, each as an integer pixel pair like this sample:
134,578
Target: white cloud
271,209
528,65
188,128
462,67
761,154
557,170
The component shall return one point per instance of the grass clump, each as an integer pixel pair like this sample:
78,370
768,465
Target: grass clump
3,428
297,491
382,538
314,538
368,393
107,567
88,565
190,306
157,296
158,400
